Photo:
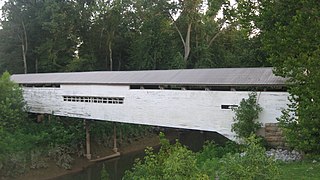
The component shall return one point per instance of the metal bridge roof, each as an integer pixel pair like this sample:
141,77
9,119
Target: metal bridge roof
213,77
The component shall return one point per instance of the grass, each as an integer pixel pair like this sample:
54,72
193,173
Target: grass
300,170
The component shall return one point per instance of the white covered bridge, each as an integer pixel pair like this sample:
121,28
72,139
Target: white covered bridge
198,99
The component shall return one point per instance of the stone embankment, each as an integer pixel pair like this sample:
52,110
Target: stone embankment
284,155
274,136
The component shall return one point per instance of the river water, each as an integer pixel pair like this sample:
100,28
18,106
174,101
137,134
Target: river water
116,168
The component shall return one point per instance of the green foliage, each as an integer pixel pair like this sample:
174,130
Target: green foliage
251,164
300,170
23,142
121,35
211,150
13,164
37,159
297,22
208,159
11,104
171,162
177,62
104,174
102,132
13,141
177,162
246,116
61,154
289,34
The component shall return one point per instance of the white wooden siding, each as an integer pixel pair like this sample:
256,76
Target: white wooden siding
187,109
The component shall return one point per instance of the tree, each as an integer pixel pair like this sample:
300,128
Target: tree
103,36
152,46
172,162
204,25
246,116
57,49
11,104
290,35
16,21
253,163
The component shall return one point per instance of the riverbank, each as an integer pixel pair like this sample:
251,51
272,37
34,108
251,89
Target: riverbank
81,163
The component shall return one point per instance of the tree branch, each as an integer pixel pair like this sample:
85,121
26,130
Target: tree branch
214,38
175,25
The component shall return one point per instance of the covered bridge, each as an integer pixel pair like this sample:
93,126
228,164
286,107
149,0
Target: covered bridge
198,99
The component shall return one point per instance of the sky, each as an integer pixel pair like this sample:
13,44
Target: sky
1,4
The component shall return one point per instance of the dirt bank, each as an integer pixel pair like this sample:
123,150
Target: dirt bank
82,163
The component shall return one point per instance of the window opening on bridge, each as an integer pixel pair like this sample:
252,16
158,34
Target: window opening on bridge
229,106
208,88
91,99
41,85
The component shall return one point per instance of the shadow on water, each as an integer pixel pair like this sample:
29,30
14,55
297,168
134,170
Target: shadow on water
116,168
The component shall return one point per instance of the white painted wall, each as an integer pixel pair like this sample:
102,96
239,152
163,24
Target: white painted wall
188,109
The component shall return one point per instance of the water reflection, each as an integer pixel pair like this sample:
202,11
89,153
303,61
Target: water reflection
116,168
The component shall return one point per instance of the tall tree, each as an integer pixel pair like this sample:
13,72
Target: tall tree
58,20
189,15
15,15
152,45
290,34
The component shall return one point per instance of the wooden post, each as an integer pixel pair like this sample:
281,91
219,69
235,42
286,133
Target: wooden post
88,153
40,118
115,149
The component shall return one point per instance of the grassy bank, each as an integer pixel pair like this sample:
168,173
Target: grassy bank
306,169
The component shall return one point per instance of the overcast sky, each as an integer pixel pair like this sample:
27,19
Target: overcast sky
1,4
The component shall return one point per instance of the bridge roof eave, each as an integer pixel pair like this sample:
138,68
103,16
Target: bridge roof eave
189,77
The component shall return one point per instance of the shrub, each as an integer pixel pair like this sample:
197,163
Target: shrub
253,163
14,164
104,174
300,123
172,162
37,160
11,104
208,159
246,116
61,154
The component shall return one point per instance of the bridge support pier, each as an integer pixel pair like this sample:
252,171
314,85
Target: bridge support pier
87,127
115,149
40,118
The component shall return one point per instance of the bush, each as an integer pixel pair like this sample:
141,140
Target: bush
104,173
253,163
300,123
172,162
177,162
246,116
208,159
61,154
12,106
14,164
37,160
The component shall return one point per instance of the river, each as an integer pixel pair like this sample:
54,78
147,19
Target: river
116,168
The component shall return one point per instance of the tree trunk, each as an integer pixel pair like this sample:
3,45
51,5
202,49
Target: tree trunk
214,38
36,65
187,44
186,41
24,59
119,64
106,60
24,45
110,55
